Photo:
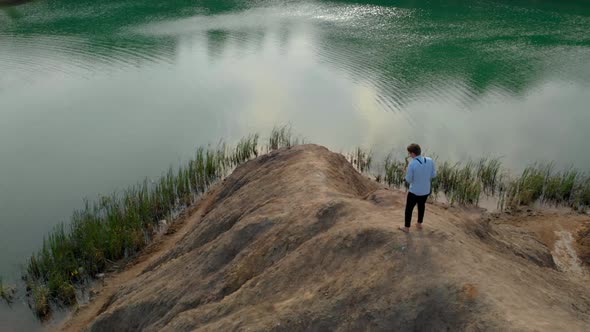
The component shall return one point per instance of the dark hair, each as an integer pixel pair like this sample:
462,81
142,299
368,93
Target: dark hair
415,149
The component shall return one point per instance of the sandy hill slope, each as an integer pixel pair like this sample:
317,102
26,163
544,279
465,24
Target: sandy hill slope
298,240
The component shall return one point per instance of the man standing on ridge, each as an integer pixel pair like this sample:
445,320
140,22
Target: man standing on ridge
419,175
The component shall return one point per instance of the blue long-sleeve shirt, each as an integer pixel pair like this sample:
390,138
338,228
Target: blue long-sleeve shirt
419,175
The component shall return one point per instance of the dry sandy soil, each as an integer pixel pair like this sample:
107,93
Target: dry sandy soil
297,240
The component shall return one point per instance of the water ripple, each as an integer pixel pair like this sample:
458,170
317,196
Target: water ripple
75,56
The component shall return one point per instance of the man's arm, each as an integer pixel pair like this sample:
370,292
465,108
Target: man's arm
433,175
410,173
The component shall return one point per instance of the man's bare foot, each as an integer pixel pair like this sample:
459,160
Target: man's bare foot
419,227
404,229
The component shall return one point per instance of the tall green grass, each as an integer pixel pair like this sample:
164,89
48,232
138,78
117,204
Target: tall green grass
465,182
490,174
246,149
461,183
361,159
394,172
543,183
282,137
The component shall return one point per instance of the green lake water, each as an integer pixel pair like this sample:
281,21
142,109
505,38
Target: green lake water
96,95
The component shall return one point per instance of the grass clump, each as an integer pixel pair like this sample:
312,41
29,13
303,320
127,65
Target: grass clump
559,187
361,159
542,183
282,137
394,172
529,187
489,173
40,295
581,200
460,183
245,149
6,292
464,183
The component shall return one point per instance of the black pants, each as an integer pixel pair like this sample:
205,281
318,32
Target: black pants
410,203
